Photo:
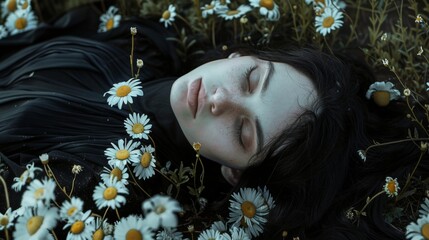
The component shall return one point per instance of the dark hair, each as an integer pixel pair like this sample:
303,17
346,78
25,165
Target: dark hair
313,169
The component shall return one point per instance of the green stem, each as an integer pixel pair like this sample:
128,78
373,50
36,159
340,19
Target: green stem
6,193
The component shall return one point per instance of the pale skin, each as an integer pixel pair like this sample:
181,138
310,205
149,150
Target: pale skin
236,105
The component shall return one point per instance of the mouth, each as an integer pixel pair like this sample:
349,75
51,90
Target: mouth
195,96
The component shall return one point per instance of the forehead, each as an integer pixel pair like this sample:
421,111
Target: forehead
288,95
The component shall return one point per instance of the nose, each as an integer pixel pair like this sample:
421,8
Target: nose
223,101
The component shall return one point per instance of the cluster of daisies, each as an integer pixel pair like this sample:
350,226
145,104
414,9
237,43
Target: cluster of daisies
223,9
17,16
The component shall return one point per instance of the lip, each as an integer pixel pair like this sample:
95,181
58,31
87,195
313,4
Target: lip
196,94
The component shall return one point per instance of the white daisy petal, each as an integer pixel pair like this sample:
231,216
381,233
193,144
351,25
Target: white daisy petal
36,223
110,194
160,211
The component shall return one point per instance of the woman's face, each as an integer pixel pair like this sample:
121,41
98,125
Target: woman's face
235,106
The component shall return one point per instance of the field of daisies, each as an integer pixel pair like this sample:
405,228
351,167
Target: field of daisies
392,35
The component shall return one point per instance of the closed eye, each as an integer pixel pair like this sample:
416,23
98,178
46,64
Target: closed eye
246,79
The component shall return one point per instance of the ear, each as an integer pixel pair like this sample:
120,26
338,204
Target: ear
231,175
234,55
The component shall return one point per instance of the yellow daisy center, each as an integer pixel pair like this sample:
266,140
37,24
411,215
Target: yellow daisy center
11,6
145,160
268,4
208,7
232,12
160,209
122,154
133,234
166,15
4,221
248,209
25,5
381,98
77,227
391,186
71,211
328,22
33,224
110,193
20,23
39,193
109,24
138,128
425,230
117,173
98,235
123,91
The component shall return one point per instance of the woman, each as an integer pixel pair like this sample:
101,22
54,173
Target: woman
292,120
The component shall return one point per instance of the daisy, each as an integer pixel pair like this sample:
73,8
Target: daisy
25,177
419,230
267,197
391,187
102,229
330,19
145,164
169,234
362,155
122,153
418,54
39,191
109,20
159,211
36,223
219,226
267,8
123,92
419,19
6,219
210,234
108,194
81,228
168,15
132,227
7,7
236,233
424,208
137,126
118,172
382,93
20,21
3,32
70,210
208,9
248,209
236,13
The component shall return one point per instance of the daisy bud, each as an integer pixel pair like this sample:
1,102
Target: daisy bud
44,158
423,146
133,31
191,228
139,63
244,20
407,92
224,47
420,51
196,146
284,234
385,62
77,169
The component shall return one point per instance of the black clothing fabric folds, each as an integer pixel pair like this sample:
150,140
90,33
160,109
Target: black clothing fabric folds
52,82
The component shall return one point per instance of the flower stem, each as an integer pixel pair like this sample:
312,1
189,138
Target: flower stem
369,201
395,142
132,55
51,174
407,183
104,215
6,193
6,233
136,183
72,186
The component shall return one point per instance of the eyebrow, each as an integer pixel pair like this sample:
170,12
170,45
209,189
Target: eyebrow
259,132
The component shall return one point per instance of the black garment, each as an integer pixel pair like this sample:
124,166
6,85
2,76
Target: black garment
51,101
